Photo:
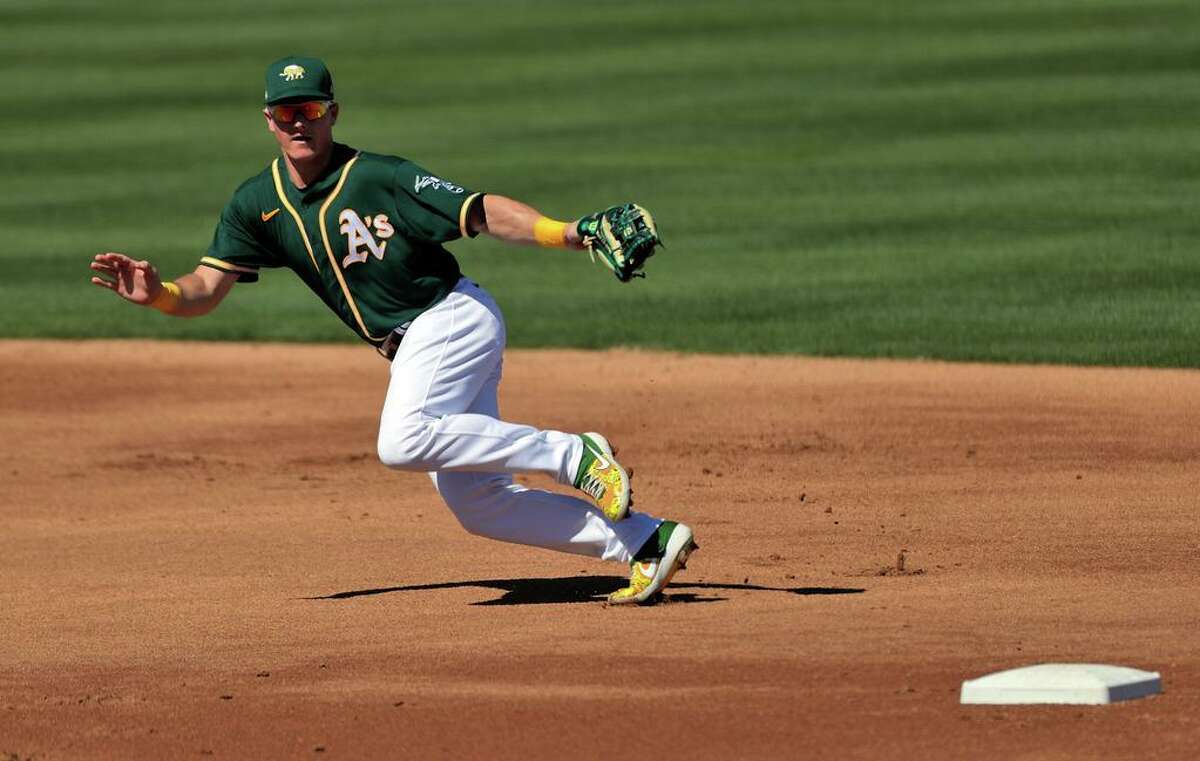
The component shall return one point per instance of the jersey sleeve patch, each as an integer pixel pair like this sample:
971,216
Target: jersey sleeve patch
245,274
432,207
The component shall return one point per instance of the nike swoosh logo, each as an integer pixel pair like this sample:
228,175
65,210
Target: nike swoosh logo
600,461
266,215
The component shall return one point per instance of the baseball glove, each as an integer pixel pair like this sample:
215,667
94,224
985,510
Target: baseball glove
622,237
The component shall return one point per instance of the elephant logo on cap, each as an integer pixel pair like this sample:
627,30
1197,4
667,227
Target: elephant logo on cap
292,73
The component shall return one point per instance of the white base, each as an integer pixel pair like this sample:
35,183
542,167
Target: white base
1062,684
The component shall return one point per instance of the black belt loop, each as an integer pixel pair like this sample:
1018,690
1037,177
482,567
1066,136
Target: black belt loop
391,344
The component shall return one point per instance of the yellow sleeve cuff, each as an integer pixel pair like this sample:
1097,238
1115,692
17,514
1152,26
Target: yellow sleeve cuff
463,211
224,266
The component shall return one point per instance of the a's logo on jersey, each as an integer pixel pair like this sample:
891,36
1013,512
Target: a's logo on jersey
292,73
359,240
429,181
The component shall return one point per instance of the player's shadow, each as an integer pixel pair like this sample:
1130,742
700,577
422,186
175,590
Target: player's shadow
570,589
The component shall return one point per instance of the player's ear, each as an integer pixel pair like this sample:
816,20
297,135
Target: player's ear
270,122
333,113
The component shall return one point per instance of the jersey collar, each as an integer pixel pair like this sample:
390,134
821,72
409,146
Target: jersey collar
325,182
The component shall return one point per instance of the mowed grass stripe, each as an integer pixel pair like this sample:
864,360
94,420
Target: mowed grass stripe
1003,182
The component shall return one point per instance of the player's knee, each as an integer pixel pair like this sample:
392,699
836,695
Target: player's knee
478,521
472,490
402,448
478,503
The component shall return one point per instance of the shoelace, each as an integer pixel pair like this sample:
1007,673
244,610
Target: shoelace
593,486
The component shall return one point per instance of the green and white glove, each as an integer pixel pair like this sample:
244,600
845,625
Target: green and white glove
622,238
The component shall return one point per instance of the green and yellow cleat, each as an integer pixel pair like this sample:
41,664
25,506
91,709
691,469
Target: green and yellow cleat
648,578
602,479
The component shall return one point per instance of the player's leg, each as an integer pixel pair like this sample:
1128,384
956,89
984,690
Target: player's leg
446,356
441,415
491,505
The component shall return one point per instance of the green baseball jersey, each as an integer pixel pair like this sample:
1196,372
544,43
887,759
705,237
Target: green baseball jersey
365,236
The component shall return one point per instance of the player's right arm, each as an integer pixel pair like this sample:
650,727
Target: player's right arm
137,281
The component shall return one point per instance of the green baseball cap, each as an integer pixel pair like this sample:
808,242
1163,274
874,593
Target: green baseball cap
297,77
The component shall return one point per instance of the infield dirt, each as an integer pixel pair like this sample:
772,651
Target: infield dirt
202,557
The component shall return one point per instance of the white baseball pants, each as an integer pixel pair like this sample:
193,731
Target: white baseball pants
441,415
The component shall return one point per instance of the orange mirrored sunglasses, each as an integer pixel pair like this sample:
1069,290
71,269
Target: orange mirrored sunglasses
286,113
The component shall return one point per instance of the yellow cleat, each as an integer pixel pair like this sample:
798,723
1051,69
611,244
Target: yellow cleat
648,578
602,479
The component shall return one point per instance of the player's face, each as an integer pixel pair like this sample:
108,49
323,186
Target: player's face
304,130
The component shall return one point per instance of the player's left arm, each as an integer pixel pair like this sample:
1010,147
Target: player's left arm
621,238
514,222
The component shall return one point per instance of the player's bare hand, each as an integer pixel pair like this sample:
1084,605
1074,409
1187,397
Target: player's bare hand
131,279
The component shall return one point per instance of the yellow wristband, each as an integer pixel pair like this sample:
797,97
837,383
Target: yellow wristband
550,233
167,300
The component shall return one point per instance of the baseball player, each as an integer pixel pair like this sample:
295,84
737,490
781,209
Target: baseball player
364,232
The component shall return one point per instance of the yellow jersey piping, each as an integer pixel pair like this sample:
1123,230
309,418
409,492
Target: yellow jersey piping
329,251
462,214
291,210
223,265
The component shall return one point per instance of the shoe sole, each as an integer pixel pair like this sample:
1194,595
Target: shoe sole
626,476
679,548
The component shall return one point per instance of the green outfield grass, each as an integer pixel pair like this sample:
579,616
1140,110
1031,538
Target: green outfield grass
1008,181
